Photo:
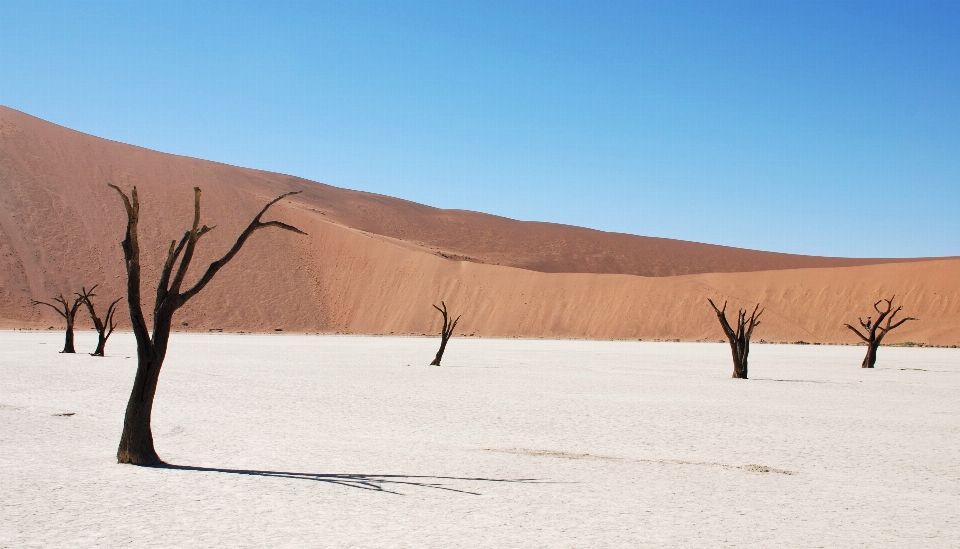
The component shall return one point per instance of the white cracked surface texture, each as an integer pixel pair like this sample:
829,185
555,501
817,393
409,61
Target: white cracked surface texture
325,441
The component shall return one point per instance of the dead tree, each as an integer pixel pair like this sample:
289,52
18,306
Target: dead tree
875,331
68,312
739,339
104,326
445,332
136,442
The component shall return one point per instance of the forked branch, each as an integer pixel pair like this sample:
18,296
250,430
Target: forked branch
218,264
63,307
446,331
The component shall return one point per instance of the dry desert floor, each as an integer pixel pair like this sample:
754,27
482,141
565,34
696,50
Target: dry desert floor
328,441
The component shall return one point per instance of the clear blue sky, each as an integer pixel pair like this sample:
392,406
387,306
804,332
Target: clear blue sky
828,128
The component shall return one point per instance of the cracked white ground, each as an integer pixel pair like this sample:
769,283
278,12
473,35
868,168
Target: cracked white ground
328,441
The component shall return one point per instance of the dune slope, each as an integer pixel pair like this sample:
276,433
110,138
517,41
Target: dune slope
373,264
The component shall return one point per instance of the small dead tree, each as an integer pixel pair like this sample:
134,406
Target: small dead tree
68,311
136,442
874,332
739,339
445,332
104,326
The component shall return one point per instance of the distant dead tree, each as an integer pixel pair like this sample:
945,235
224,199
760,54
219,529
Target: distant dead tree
136,442
68,312
875,332
104,326
445,332
739,339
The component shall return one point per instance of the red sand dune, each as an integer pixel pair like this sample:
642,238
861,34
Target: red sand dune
374,264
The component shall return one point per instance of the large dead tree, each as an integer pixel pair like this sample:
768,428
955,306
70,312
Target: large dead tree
68,311
445,332
739,338
105,325
874,332
136,442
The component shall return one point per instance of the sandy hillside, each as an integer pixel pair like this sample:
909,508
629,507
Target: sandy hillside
327,441
373,264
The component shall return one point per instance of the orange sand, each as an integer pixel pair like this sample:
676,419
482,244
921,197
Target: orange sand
374,264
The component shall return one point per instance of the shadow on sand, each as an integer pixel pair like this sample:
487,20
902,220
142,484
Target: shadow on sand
376,483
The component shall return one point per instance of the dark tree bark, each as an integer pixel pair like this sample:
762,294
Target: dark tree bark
68,312
874,332
104,326
445,332
739,338
136,442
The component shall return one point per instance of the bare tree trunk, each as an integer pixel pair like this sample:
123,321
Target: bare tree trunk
739,338
874,332
443,346
101,345
445,332
739,363
870,360
68,338
136,441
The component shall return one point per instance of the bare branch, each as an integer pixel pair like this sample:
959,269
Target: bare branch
890,318
754,322
132,209
897,325
712,304
454,325
69,310
218,264
280,225
856,331
722,317
172,254
86,294
756,316
131,254
62,313
191,239
272,202
889,305
108,319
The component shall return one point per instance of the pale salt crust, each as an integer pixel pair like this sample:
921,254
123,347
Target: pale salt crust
324,441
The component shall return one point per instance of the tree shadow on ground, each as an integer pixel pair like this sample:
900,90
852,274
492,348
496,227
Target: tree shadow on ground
375,483
802,381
